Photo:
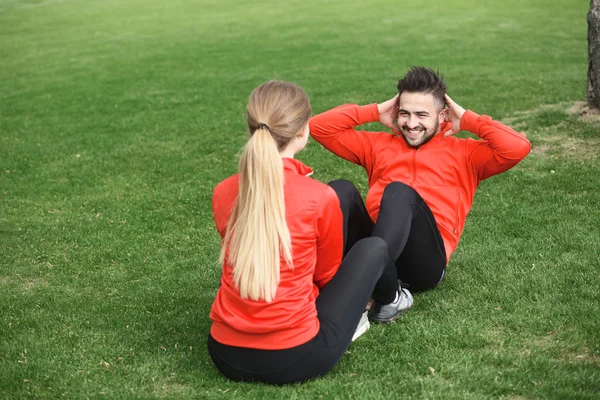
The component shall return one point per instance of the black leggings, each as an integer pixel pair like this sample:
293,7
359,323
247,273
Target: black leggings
340,305
407,225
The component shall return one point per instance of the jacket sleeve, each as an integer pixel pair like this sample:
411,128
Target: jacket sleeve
216,213
329,227
334,129
501,148
220,202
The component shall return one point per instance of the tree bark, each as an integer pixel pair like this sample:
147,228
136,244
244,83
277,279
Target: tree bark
593,86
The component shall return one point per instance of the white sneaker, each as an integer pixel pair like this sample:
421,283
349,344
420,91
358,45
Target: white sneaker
384,313
363,326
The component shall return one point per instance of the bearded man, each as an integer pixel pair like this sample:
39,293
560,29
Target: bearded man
422,178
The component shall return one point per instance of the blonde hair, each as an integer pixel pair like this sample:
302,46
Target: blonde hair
257,236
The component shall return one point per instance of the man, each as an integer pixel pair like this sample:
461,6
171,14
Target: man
422,179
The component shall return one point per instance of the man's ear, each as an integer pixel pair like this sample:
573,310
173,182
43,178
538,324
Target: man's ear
443,115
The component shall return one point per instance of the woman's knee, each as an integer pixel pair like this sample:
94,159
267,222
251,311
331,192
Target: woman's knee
375,248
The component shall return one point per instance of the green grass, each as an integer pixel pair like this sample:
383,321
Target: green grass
118,118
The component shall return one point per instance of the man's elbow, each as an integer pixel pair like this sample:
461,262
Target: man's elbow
313,125
522,149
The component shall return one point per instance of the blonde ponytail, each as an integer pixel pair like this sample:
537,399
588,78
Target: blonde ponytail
257,238
257,233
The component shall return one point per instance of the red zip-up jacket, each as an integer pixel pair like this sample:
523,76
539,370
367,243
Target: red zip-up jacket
314,219
445,171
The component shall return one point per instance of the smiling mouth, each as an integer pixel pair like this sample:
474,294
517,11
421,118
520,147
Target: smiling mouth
413,133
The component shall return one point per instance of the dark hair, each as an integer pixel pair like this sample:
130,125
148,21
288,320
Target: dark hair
424,80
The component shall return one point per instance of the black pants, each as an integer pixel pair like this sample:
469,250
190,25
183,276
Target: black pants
340,305
407,225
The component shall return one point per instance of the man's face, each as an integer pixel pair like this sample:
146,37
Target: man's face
419,118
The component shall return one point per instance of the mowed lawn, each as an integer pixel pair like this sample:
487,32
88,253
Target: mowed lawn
117,118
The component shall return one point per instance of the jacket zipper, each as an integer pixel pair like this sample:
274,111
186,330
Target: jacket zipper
414,177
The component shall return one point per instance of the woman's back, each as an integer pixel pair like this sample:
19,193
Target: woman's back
314,221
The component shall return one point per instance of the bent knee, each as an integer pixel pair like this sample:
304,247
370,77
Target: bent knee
375,246
344,188
399,190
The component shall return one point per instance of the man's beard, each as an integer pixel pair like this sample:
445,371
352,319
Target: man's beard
429,134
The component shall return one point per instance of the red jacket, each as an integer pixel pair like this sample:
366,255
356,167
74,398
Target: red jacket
314,219
445,171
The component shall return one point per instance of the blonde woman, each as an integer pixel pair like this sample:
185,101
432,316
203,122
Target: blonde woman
288,306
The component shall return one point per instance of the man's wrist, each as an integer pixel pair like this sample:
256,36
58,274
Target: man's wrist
368,113
468,121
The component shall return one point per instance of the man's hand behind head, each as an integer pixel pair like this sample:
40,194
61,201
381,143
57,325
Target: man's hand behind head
388,112
454,115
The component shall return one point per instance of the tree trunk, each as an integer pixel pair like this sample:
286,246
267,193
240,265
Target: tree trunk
593,87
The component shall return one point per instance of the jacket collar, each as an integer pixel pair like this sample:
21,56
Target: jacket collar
296,167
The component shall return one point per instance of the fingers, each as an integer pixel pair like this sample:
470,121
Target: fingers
388,106
449,101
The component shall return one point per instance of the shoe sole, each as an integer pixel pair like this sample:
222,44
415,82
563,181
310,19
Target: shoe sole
387,320
361,329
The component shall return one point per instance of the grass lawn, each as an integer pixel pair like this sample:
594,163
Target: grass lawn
117,118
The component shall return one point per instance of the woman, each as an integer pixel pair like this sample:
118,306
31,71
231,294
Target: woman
287,306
